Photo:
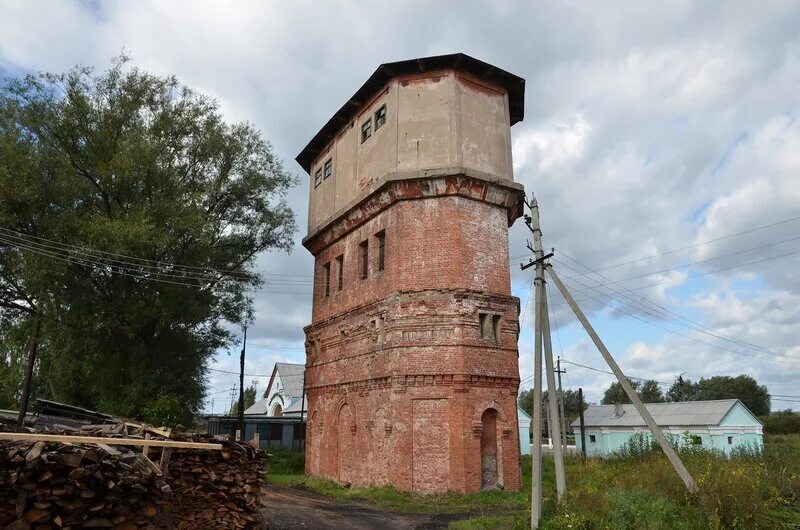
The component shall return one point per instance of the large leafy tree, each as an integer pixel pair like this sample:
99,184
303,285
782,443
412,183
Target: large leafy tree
131,214
743,387
648,391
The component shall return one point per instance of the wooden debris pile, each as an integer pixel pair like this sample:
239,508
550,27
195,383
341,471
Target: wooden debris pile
216,489
55,485
119,481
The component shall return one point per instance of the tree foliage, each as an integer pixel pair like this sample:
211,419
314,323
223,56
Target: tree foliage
648,391
743,387
249,401
571,403
131,164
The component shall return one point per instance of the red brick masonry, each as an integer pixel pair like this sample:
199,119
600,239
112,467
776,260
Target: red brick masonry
398,375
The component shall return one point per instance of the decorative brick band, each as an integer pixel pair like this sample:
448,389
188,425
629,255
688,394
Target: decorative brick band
395,187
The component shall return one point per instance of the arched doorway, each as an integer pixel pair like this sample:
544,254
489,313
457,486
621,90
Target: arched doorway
345,447
489,464
277,411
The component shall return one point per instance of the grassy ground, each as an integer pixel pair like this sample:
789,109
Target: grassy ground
638,490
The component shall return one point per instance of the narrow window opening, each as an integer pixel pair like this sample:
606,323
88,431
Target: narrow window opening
366,130
380,117
592,438
328,168
363,260
327,268
489,325
318,178
340,272
730,440
381,236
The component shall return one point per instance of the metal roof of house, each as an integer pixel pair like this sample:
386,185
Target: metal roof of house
515,86
259,407
681,413
291,378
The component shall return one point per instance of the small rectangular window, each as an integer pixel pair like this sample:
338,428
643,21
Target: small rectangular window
340,272
327,268
366,130
592,438
381,237
380,117
318,178
328,169
489,325
730,440
363,260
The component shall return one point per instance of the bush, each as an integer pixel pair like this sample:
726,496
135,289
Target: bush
167,410
786,422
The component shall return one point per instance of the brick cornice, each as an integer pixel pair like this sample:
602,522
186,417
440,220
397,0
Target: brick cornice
421,294
414,185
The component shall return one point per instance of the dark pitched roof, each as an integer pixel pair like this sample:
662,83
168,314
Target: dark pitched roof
457,61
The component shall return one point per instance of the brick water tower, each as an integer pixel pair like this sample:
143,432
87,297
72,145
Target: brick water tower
412,363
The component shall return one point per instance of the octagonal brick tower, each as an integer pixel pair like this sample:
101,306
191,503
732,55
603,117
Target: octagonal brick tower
412,364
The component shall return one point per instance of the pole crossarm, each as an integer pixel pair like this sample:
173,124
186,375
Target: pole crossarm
623,381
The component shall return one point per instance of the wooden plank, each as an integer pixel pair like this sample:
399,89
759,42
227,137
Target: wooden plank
31,437
149,428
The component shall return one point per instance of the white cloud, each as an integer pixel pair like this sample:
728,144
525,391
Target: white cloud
649,127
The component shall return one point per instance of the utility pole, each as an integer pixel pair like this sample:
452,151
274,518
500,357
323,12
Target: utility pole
542,342
583,432
33,345
560,371
241,385
626,385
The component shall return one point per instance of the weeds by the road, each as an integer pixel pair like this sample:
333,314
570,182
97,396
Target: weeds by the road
747,490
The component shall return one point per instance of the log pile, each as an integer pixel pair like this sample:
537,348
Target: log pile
56,485
46,485
217,489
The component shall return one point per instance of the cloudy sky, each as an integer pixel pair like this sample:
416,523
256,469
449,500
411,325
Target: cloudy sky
661,140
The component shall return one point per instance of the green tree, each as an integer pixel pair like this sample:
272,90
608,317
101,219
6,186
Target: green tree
743,387
249,401
683,390
126,163
649,392
571,403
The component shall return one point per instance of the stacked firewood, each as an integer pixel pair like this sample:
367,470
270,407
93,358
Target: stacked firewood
216,489
55,485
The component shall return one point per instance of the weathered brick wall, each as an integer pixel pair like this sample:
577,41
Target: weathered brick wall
382,368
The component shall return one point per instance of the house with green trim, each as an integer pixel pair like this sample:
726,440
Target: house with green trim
722,425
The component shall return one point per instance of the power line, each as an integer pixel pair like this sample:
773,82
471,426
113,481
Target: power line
697,326
729,236
779,359
141,262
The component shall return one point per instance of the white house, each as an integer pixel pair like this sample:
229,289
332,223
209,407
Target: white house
284,393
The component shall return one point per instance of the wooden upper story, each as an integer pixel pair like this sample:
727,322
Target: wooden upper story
440,114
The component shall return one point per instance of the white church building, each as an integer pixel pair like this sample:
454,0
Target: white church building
284,394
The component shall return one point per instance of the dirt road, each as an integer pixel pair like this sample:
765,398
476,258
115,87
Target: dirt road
290,508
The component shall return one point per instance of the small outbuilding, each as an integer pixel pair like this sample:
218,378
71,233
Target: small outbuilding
721,425
524,422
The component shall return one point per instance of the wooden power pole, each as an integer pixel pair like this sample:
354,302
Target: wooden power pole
241,386
560,371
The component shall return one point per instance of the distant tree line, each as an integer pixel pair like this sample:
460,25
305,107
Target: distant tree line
743,387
